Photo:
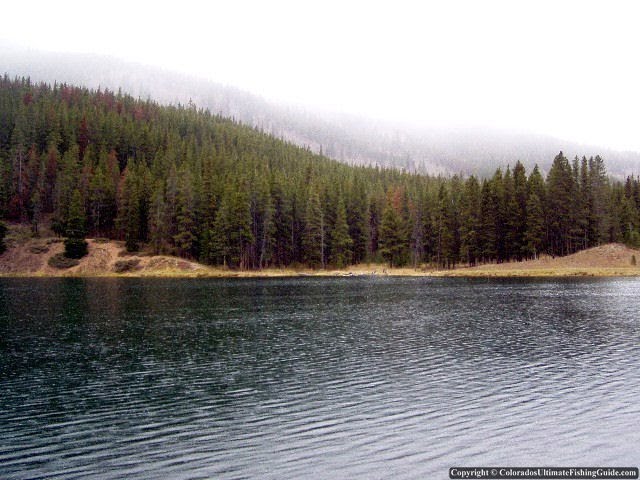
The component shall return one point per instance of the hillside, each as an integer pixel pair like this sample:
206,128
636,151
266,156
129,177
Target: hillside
105,258
605,260
346,138
181,181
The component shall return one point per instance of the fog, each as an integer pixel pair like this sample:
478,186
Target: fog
566,68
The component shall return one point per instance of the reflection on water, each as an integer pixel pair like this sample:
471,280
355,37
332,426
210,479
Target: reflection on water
314,378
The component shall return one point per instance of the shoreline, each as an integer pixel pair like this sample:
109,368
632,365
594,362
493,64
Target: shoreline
472,272
107,259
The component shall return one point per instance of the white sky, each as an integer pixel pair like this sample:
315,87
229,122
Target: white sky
566,68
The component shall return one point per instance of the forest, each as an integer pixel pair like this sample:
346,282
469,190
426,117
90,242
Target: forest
180,180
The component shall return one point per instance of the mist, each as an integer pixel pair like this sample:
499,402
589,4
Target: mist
566,70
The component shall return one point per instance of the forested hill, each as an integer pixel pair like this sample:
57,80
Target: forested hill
181,180
347,138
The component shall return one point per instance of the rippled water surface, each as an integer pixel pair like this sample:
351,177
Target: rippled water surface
315,378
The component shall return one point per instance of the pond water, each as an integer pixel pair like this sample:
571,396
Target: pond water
315,377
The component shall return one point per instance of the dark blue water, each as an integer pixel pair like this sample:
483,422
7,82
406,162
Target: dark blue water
315,378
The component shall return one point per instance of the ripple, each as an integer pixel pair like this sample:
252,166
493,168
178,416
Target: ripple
314,378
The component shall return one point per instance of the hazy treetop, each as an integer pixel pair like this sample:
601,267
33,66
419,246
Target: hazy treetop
562,68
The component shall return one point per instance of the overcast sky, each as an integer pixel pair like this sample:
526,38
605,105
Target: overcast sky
566,68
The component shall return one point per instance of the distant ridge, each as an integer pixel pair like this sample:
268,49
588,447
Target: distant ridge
346,138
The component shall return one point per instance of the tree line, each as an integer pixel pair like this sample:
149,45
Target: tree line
181,180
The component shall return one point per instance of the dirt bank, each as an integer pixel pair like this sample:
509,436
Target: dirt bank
31,257
613,259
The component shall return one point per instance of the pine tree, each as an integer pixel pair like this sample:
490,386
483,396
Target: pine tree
536,229
488,213
232,229
203,186
341,242
358,219
262,225
517,213
393,238
36,211
3,234
282,226
314,240
418,224
102,198
75,245
561,188
498,198
585,206
66,182
599,216
158,226
185,238
470,226
133,205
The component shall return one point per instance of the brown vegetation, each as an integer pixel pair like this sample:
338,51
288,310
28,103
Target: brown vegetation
613,259
40,257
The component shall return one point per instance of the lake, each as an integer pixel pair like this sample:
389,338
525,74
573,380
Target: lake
315,377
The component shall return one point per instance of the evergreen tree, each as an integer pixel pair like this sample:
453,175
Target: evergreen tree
341,242
499,200
392,241
536,229
599,223
232,229
75,245
561,188
185,239
283,226
314,240
102,199
419,231
202,186
36,211
517,213
3,234
470,226
66,182
358,219
158,226
129,218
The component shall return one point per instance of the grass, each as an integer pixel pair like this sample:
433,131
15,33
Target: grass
282,273
545,272
40,258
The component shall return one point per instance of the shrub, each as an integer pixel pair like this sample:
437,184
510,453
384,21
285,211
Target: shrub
126,265
131,244
60,261
38,249
633,260
3,233
75,248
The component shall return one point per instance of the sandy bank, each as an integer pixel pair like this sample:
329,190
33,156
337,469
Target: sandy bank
30,258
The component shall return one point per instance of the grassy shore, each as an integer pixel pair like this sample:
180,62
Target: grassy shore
545,272
106,258
287,272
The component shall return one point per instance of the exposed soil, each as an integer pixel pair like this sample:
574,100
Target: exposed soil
30,256
605,260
